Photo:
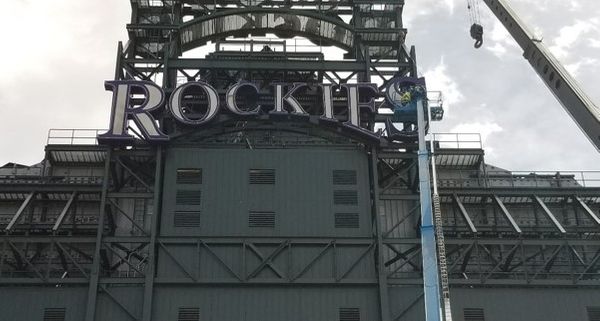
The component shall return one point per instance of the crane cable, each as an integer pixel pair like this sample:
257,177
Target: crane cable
475,20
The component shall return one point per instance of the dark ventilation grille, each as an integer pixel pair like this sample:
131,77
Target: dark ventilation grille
188,314
349,314
346,220
345,197
187,219
473,314
593,313
261,219
54,314
189,176
188,197
344,177
262,176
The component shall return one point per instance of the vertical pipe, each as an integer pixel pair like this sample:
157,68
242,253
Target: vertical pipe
431,286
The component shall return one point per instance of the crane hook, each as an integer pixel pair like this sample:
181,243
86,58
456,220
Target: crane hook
477,34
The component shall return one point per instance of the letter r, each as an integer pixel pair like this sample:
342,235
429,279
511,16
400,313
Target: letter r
123,111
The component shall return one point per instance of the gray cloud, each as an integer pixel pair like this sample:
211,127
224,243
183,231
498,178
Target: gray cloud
527,128
57,64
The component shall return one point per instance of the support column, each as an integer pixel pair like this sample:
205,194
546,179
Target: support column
90,309
431,285
384,301
150,271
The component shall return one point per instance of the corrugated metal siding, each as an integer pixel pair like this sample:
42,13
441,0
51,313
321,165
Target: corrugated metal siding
526,304
267,303
302,196
519,304
393,214
131,297
29,303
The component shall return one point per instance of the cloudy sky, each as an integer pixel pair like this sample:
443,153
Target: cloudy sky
58,53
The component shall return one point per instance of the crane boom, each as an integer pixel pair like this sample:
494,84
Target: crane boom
581,108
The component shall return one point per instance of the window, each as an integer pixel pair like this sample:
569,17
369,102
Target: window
189,176
54,314
473,314
344,177
349,314
345,197
188,314
346,220
188,197
593,313
261,176
261,219
187,219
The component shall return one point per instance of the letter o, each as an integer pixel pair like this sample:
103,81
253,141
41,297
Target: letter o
176,108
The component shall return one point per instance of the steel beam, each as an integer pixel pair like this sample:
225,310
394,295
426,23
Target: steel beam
503,241
549,262
464,213
224,264
518,283
384,308
509,217
242,64
64,212
90,310
521,191
20,211
152,250
587,209
549,214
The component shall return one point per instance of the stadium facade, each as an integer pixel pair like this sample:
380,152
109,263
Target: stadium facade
287,202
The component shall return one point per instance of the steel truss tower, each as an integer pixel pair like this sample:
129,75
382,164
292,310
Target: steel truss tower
287,219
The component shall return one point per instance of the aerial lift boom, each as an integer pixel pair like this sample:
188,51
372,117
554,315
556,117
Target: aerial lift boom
581,108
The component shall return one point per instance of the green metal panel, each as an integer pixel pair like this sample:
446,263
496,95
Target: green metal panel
549,304
266,303
301,198
124,303
498,304
28,303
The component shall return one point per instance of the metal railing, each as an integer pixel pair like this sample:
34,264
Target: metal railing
457,140
516,179
73,136
78,180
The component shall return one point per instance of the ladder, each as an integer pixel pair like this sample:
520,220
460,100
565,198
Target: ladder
441,250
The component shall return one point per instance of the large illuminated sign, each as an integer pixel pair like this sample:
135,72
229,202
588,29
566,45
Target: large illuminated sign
138,102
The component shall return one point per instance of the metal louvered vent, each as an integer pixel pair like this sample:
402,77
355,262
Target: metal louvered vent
349,314
188,314
262,176
473,314
261,219
187,219
189,176
346,220
54,314
188,197
342,197
593,313
344,177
